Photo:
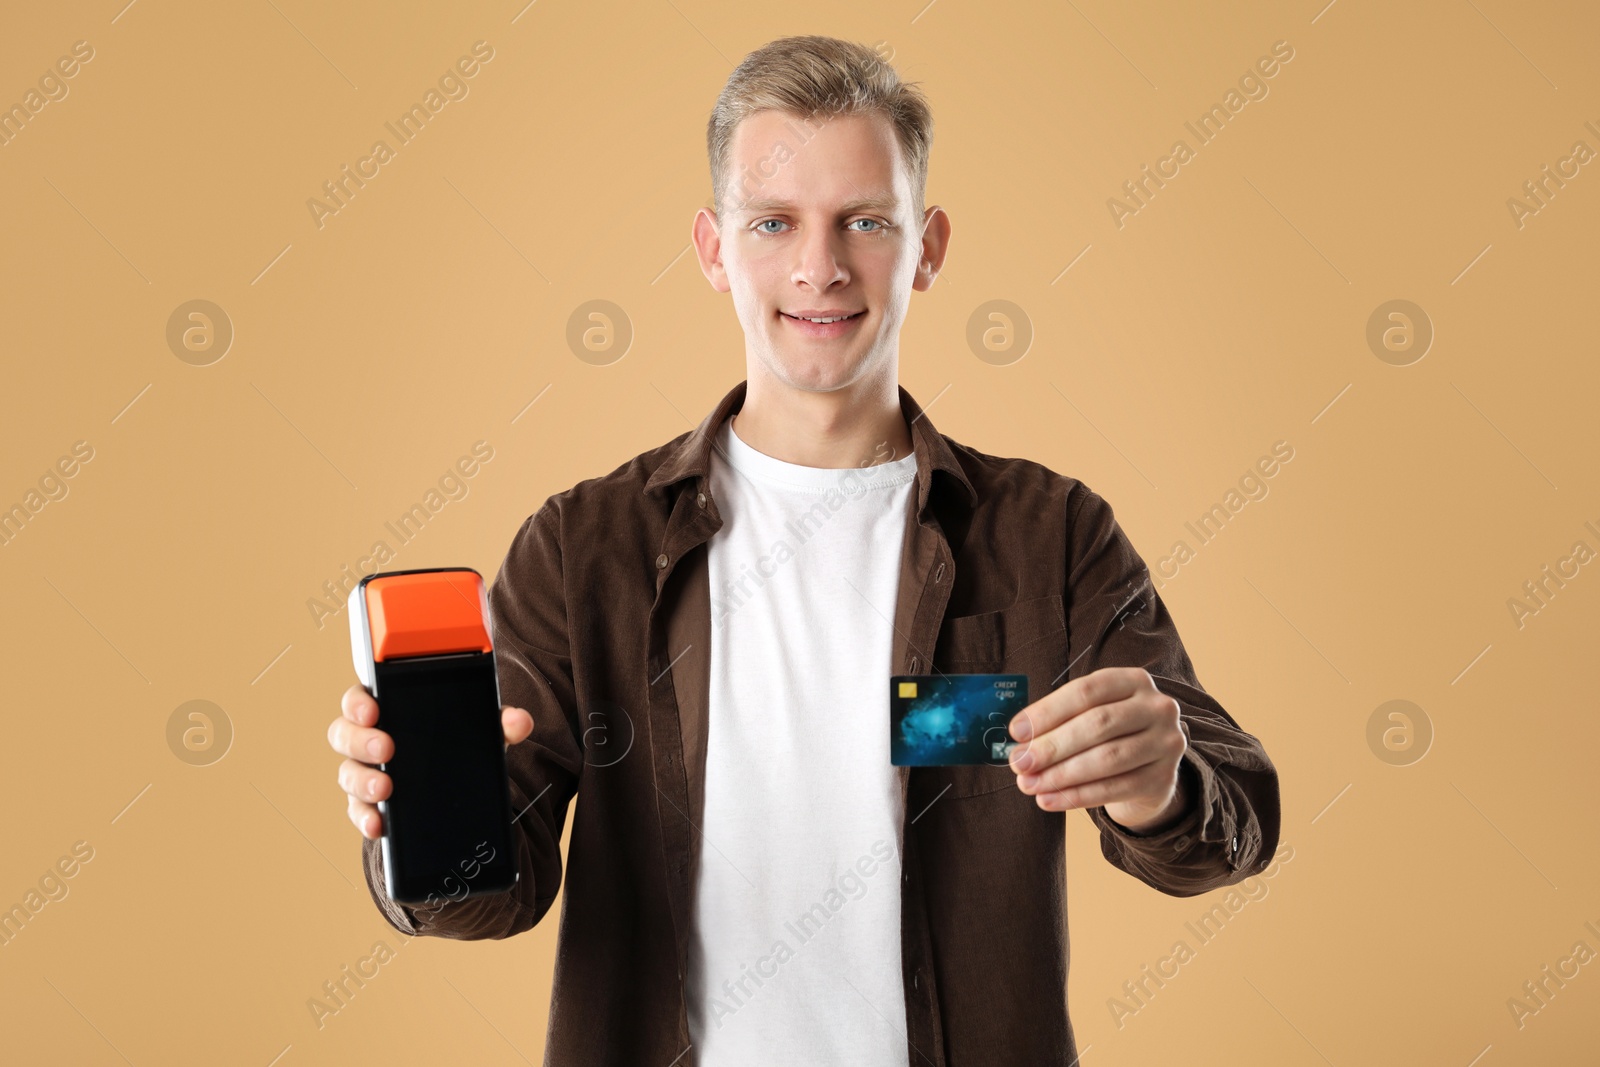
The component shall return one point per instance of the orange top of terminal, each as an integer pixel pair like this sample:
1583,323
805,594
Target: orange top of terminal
426,614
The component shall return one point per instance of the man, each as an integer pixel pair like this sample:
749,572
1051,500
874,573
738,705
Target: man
697,647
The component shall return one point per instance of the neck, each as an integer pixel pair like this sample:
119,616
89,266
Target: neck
860,425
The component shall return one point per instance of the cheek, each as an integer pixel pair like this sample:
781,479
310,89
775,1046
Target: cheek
751,279
894,303
749,303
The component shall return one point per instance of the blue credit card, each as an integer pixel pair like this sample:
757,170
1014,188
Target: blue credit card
943,720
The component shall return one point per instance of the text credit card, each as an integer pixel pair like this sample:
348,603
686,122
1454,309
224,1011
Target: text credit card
942,720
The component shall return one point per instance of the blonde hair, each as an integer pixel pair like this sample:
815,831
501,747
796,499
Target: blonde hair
820,76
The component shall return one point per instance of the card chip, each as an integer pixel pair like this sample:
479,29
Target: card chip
908,689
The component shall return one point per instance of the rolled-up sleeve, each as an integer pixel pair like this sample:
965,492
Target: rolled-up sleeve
1229,828
534,667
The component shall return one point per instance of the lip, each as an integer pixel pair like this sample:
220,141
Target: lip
820,329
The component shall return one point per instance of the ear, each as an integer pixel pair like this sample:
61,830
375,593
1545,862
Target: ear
935,243
706,235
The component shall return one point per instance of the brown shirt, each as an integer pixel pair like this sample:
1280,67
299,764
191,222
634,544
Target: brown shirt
602,630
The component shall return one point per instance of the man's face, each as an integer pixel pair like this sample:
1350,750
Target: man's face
819,221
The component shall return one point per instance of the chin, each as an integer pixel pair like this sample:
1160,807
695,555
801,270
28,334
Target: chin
814,374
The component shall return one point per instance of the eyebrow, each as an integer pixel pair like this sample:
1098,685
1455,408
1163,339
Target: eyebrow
879,202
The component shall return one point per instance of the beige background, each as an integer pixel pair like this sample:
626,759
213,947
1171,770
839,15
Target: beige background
1229,313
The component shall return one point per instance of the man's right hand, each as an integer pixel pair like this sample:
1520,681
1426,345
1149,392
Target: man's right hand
354,734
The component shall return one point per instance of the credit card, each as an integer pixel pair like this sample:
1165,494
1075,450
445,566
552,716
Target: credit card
945,720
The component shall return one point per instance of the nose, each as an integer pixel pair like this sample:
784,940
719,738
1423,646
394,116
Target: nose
819,265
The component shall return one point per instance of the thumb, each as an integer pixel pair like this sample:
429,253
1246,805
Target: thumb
517,724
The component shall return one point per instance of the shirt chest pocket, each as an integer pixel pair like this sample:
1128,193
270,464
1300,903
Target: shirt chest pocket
1029,637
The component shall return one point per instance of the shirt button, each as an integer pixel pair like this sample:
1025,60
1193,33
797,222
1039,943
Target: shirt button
938,574
700,498
914,664
916,982
1181,843
661,562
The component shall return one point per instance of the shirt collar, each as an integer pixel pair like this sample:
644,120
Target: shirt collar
691,457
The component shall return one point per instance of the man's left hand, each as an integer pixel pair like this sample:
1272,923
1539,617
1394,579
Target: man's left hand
1108,738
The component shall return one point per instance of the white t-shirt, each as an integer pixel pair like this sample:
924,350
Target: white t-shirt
794,955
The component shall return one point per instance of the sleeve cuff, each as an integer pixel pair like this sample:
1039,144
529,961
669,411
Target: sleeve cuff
398,915
1197,781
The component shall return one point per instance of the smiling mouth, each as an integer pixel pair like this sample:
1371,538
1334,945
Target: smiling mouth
823,321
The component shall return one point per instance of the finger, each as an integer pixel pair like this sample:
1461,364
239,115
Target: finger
1103,686
517,724
366,818
364,782
1134,783
1106,760
1146,709
1089,728
360,742
358,706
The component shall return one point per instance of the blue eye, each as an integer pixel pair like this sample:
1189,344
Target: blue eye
878,227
